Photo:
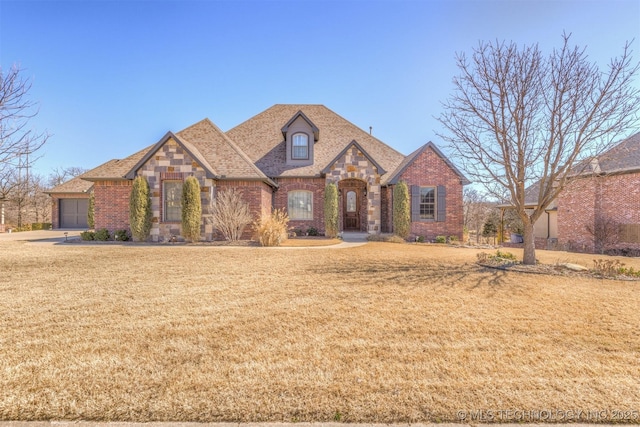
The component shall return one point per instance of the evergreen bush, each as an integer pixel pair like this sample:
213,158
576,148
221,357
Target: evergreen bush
331,210
191,209
401,210
140,213
90,212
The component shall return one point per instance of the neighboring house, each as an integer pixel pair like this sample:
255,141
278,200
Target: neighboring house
599,209
281,158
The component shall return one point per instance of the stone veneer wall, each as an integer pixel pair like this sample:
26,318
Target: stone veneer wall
171,162
55,206
112,204
430,170
316,186
355,165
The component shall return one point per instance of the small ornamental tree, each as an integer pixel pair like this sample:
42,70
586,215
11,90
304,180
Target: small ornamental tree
231,214
191,209
331,210
401,210
140,209
91,211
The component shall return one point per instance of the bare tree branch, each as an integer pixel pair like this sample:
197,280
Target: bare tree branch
516,118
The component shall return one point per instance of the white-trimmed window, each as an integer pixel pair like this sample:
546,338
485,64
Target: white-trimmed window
300,205
300,146
172,200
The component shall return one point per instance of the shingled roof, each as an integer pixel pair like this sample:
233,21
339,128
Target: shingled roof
624,157
621,158
261,138
74,185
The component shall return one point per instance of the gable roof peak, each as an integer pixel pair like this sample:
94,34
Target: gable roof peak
354,144
395,176
314,128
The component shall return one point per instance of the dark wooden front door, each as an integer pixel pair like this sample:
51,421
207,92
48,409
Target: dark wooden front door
351,208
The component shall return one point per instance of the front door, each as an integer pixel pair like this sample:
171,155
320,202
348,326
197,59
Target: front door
351,205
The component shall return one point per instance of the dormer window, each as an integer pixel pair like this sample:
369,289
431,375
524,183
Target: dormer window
300,147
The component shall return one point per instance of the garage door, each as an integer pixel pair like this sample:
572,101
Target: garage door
73,213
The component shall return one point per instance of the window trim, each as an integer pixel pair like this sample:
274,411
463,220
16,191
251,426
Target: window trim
434,214
164,200
291,212
293,146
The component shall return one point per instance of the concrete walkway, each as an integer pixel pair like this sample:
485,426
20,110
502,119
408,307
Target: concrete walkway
41,236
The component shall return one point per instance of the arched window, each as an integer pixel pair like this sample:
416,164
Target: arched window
300,206
300,146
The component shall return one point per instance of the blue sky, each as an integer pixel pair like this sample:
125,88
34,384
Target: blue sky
112,77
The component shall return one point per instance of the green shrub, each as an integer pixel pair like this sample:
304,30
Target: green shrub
88,235
271,230
453,239
102,235
441,239
121,235
388,238
191,209
40,226
420,239
140,213
91,211
331,210
312,231
401,210
25,227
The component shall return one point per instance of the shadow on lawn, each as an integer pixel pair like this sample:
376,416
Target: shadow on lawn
466,276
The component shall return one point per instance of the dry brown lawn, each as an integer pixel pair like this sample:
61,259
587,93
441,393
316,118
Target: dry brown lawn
379,333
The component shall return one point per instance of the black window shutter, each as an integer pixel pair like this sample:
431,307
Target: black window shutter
442,203
415,203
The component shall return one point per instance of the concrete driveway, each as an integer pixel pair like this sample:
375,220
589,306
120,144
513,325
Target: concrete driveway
43,236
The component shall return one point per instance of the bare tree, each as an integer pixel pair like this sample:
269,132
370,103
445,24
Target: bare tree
60,175
17,141
476,209
517,117
230,214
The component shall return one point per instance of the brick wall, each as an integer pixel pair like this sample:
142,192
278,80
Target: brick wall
316,186
112,204
55,205
429,169
587,200
257,194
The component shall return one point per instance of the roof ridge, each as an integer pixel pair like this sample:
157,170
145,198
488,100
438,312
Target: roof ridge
364,132
235,147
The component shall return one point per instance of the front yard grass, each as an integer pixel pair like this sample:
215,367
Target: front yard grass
378,333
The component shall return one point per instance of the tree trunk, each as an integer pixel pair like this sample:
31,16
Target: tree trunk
529,257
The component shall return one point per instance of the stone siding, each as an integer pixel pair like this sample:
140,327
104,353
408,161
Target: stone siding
429,169
171,162
355,165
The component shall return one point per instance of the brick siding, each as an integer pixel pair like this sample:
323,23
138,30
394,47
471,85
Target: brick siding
429,169
316,186
587,200
112,204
